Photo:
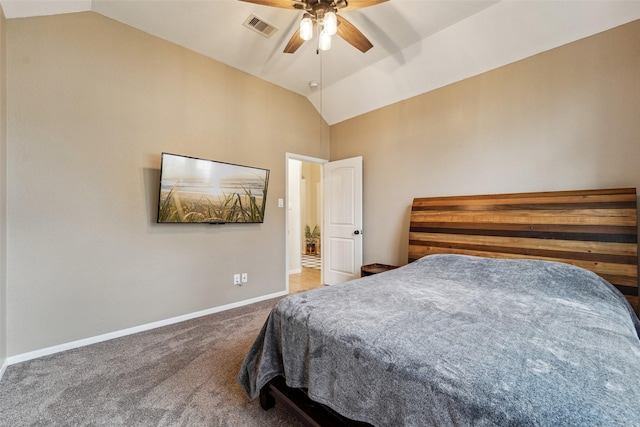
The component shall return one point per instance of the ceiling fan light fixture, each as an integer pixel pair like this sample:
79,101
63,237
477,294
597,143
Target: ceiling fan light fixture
330,23
306,28
324,41
316,12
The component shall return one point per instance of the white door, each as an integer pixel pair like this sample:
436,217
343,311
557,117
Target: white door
342,234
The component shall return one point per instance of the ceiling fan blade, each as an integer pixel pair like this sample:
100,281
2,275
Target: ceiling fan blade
352,35
359,4
285,4
294,42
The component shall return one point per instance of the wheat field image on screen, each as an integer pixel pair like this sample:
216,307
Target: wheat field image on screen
195,190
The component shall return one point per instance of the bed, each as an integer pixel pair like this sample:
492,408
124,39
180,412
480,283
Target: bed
503,316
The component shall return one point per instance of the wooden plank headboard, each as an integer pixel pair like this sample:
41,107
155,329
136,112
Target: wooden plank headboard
593,229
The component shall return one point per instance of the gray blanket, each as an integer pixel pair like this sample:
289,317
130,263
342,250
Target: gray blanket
459,340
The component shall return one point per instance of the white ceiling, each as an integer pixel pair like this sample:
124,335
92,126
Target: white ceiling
419,45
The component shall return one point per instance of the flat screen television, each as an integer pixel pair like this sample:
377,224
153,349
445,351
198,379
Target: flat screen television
196,190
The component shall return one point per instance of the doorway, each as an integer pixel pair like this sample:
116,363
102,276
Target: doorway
304,222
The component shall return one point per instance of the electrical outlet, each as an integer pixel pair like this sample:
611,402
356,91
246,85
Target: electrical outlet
245,277
236,279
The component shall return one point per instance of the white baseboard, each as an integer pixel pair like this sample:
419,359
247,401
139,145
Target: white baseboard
3,368
117,334
295,271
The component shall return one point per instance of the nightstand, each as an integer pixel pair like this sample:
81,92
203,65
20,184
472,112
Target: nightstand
370,269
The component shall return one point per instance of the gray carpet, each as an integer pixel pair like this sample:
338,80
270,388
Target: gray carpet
178,375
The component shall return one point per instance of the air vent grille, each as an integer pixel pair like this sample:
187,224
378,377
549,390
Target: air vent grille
260,26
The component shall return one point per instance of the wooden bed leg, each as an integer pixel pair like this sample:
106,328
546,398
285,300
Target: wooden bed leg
267,401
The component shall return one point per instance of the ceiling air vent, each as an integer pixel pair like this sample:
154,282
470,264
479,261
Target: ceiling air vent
260,26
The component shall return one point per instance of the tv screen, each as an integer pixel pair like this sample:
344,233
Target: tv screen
207,191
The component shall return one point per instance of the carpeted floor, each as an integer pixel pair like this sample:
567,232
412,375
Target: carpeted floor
178,375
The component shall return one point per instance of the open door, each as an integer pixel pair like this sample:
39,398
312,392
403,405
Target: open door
342,234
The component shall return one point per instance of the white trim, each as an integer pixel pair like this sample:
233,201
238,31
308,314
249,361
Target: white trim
295,271
117,334
304,158
3,368
307,159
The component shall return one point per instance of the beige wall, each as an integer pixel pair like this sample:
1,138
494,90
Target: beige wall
3,193
565,119
312,173
92,104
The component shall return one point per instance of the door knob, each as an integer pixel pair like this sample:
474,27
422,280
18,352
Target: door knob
357,232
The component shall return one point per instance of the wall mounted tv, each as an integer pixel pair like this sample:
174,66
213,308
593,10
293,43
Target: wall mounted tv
207,191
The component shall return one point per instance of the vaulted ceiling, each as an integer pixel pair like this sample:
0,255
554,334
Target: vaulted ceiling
419,45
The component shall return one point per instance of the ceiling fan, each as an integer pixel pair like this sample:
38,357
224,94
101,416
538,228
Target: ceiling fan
322,15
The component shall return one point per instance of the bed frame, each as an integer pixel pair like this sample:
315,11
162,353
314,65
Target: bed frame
593,229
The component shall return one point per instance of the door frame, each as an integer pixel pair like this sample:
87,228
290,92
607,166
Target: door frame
306,159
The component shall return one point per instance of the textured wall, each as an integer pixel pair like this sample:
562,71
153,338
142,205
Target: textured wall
566,119
92,104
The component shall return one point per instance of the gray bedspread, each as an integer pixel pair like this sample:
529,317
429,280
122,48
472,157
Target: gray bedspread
459,340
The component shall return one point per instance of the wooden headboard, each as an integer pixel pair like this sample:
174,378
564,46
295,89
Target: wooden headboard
593,229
